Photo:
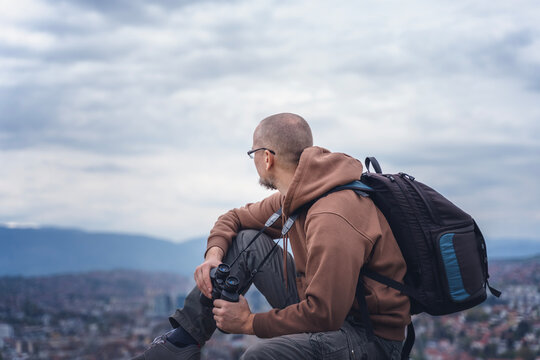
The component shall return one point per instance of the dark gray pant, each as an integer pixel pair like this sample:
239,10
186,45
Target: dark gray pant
349,342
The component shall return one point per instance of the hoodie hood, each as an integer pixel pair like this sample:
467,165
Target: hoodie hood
319,171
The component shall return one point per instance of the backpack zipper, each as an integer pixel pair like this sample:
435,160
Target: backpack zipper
410,180
418,269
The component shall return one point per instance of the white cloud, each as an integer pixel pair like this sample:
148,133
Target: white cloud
24,10
33,40
172,194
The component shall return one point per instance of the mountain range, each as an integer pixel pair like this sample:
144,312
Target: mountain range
49,250
45,251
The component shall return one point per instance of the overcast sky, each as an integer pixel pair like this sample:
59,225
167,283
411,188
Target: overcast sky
135,116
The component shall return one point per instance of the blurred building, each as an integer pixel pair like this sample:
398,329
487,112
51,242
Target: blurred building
163,305
6,332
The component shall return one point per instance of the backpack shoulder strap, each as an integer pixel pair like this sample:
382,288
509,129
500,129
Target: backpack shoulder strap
403,288
364,190
357,186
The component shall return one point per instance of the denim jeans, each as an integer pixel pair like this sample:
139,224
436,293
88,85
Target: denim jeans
349,342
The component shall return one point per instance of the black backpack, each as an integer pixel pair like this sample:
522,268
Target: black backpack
445,252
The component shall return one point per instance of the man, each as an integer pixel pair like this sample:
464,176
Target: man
315,312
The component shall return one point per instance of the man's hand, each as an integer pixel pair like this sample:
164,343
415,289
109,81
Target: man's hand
234,318
213,258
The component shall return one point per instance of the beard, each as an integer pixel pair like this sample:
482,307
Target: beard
267,183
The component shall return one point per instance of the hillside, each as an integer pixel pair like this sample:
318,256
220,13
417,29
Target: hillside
44,251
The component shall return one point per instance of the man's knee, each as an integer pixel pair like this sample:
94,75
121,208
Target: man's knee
295,346
244,237
255,352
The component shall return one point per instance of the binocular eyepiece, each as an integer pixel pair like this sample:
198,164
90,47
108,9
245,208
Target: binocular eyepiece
224,286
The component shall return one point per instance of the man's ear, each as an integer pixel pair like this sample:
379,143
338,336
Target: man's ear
268,159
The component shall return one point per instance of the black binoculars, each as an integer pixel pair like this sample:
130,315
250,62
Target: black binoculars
224,286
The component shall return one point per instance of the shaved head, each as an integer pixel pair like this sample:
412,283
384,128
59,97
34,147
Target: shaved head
287,134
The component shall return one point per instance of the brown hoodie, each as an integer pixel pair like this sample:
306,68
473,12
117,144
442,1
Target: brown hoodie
330,241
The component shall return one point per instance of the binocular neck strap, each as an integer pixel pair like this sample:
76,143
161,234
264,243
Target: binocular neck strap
271,220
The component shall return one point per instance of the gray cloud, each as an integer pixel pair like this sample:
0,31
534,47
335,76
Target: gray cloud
126,11
106,168
92,89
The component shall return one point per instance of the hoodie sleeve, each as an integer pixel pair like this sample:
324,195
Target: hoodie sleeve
336,252
250,216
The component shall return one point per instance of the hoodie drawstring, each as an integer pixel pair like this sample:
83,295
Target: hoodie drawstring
285,252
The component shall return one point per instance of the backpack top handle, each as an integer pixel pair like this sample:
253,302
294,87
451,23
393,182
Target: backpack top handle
371,160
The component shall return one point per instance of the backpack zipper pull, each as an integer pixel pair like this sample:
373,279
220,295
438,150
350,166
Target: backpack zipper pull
407,176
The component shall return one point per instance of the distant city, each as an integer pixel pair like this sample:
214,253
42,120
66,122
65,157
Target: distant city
55,304
116,314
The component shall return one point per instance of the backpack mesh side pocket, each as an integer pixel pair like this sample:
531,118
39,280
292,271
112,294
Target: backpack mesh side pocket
461,262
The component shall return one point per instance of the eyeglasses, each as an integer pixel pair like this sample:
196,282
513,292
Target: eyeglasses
251,152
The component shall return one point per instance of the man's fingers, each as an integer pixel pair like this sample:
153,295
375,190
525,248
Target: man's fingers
206,282
199,280
218,315
218,303
202,279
